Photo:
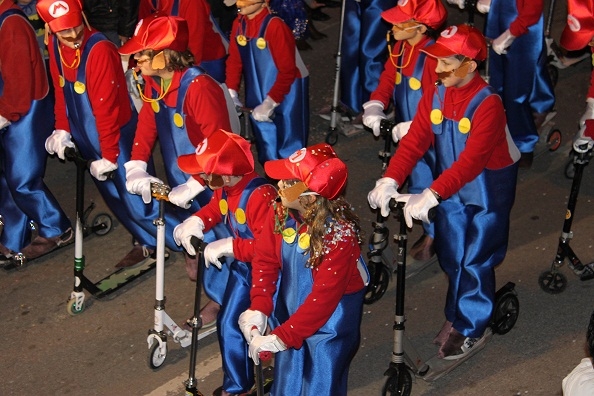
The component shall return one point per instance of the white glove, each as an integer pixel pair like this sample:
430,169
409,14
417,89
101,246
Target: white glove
270,343
501,43
385,189
418,206
250,319
184,193
459,3
483,6
100,167
133,88
57,142
235,97
582,144
373,114
4,122
217,249
400,130
182,233
138,181
589,113
264,110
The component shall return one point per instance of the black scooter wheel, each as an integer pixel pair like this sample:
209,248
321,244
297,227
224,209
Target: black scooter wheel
378,285
156,359
554,139
399,382
332,137
102,224
505,315
552,283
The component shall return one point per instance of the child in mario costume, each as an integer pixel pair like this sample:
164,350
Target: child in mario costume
262,49
475,180
242,201
407,74
93,109
579,33
313,246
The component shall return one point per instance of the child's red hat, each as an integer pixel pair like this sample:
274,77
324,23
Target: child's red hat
459,40
428,12
580,25
317,166
222,153
158,32
60,14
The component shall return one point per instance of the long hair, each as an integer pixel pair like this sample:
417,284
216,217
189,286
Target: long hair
176,61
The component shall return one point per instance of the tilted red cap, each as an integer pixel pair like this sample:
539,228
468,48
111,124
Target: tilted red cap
158,32
459,40
222,153
428,12
60,14
317,166
580,24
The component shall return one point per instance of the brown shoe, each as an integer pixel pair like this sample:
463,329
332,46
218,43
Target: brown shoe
453,345
40,245
443,334
5,255
135,256
422,249
191,266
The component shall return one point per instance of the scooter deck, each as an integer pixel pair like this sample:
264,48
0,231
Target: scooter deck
413,267
15,263
440,367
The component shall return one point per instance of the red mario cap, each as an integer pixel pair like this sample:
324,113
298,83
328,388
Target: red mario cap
428,12
158,32
317,166
580,24
459,40
222,153
60,14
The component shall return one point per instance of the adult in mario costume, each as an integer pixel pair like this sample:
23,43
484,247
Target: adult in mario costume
577,34
243,202
474,188
26,119
94,110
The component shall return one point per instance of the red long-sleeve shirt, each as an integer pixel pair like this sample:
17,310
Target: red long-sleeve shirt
21,66
204,106
336,276
529,12
205,43
258,211
106,88
486,147
385,87
281,43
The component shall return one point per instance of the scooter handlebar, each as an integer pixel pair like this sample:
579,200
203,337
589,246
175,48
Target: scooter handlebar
398,207
73,155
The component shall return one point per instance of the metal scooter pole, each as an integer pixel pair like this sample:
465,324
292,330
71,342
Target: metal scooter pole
332,135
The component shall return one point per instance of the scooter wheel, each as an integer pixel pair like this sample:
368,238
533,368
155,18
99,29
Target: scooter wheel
505,315
554,139
399,383
156,359
332,137
378,285
72,308
102,224
552,283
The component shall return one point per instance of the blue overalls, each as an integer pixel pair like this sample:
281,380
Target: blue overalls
24,197
321,365
407,95
238,368
130,210
290,127
472,226
521,77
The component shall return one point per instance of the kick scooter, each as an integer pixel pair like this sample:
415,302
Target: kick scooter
101,225
157,336
405,359
553,281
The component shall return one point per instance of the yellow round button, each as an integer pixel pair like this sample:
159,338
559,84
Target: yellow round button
61,81
261,43
464,125
398,78
289,235
240,216
414,84
223,206
241,40
436,116
79,88
303,241
155,106
178,120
